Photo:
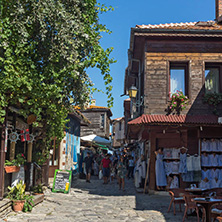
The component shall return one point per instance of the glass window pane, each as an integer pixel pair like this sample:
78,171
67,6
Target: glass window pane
212,80
177,80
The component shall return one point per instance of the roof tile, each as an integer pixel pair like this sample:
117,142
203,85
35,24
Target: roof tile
208,25
174,119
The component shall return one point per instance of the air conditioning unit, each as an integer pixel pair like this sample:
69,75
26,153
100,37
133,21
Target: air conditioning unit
220,120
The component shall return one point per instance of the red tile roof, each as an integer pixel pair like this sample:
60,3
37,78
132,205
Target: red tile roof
175,119
208,25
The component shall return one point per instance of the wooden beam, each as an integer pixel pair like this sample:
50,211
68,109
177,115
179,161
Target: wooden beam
152,181
2,152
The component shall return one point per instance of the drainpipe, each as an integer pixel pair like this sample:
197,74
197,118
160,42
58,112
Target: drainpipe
2,153
139,78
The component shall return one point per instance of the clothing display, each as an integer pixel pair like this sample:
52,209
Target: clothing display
213,145
220,145
214,173
220,174
211,161
183,163
193,169
171,153
174,183
139,172
204,185
205,145
175,167
167,166
204,160
160,171
219,160
205,174
215,183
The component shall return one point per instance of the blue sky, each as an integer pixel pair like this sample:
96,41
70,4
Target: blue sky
129,13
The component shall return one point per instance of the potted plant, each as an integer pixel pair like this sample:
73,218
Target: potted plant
41,157
14,165
19,198
38,189
213,99
11,166
178,102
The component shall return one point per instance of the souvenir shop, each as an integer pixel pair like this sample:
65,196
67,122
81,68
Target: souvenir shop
180,156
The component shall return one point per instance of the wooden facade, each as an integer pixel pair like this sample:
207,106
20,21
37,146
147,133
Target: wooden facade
100,121
154,49
118,132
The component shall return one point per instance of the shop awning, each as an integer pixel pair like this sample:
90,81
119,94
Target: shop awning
175,119
96,139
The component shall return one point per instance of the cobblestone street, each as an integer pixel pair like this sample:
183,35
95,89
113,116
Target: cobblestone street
98,202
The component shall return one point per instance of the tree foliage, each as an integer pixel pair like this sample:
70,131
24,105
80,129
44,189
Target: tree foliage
45,48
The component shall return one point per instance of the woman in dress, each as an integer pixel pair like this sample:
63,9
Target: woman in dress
160,171
122,171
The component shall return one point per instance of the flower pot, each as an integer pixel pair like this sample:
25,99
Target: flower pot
12,169
38,193
18,205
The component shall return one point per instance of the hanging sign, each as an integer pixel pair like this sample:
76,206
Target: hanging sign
31,119
13,137
25,135
62,181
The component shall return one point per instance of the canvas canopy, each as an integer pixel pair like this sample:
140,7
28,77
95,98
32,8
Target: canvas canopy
96,139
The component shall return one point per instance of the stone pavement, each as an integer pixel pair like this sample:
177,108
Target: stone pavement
98,202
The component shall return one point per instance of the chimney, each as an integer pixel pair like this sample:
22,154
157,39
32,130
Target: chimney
219,10
93,102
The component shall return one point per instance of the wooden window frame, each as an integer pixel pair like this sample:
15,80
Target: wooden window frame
214,65
185,65
120,126
102,117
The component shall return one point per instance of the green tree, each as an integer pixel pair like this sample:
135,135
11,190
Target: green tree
46,47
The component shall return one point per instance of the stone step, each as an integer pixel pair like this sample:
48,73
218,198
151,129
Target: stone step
5,207
6,204
38,199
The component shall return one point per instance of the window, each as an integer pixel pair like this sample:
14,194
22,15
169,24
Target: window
102,121
179,77
120,126
212,78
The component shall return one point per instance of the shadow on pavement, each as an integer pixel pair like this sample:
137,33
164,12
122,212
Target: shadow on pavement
144,204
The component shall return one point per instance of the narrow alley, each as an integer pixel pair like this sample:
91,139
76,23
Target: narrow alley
97,202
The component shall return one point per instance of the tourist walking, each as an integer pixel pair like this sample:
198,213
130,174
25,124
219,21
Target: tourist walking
105,166
130,167
160,171
88,161
122,171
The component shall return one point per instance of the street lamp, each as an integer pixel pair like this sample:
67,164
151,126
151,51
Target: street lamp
132,94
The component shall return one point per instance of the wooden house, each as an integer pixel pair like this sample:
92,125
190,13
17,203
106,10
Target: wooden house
65,153
100,121
118,132
168,57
